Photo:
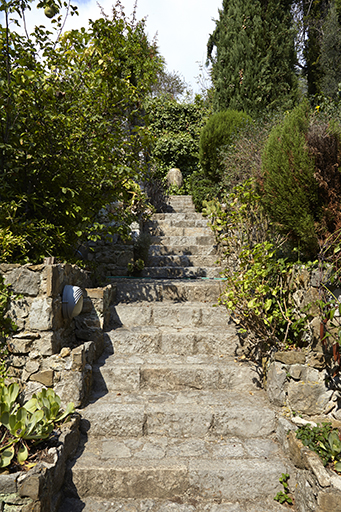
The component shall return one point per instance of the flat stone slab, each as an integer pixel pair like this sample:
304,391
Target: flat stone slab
181,250
230,479
180,414
188,314
178,260
177,505
183,240
161,448
168,340
168,290
174,372
165,272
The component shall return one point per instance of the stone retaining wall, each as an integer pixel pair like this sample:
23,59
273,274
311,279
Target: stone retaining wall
299,381
39,489
47,349
315,488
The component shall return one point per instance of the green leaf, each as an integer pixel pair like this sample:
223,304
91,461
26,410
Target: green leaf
22,453
6,456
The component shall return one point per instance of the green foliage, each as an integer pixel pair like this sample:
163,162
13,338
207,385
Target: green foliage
202,189
323,440
218,133
175,127
283,497
242,159
259,283
330,60
71,134
253,67
21,427
289,189
7,326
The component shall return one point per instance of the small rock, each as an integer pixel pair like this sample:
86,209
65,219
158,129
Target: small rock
65,352
292,357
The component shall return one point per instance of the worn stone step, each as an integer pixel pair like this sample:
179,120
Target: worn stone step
185,241
166,230
173,372
168,340
188,314
182,250
201,478
181,272
180,414
167,290
177,220
182,260
172,505
180,204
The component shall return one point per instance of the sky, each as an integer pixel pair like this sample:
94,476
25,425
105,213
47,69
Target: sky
182,27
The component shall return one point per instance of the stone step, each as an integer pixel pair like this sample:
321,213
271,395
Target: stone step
175,315
168,340
227,478
168,260
170,241
182,250
181,272
179,414
175,504
131,373
166,230
166,290
180,204
180,220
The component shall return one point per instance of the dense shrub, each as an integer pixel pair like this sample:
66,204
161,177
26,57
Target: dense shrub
202,188
217,134
289,189
242,160
301,182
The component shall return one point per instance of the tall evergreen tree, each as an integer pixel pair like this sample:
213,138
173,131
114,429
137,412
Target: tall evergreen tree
331,54
252,55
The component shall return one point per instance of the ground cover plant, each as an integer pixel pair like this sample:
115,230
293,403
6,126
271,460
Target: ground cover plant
324,440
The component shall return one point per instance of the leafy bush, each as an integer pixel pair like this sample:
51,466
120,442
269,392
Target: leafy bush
175,127
289,189
218,133
71,135
259,283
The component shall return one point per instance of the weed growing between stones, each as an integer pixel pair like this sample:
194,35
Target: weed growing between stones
323,440
283,496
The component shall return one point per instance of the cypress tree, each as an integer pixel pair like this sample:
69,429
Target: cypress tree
331,54
252,55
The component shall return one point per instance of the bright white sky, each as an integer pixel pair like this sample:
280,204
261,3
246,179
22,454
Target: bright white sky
182,27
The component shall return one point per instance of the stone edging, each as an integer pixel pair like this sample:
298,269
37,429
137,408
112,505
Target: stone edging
316,488
39,489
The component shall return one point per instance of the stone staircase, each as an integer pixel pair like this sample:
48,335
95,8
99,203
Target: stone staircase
177,421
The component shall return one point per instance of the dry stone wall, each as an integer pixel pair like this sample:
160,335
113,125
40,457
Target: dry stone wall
47,349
